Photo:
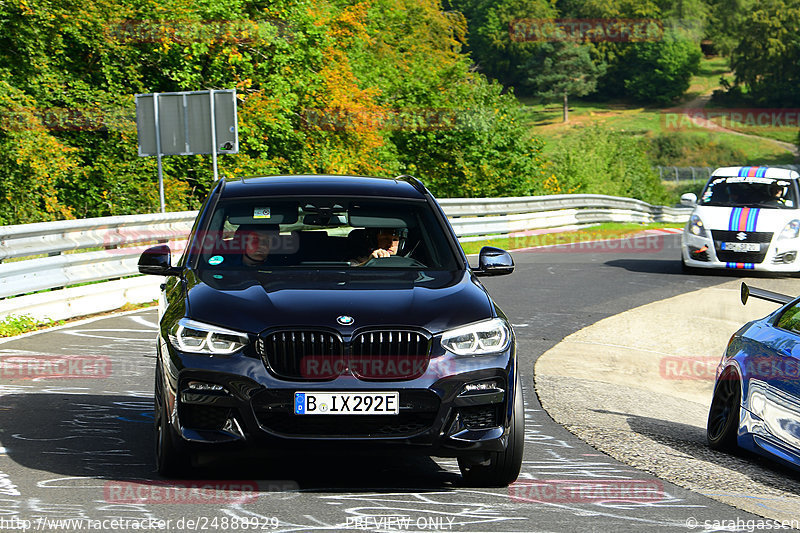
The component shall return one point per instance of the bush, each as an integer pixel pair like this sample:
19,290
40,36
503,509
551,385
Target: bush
17,324
684,150
593,160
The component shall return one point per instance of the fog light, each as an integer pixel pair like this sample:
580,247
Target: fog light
481,385
202,386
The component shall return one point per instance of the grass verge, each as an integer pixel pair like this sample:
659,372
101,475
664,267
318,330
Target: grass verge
13,325
592,233
694,145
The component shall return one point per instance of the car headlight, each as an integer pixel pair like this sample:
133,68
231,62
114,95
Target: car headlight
791,230
481,338
696,226
196,337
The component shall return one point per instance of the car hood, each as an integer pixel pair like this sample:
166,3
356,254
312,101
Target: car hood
745,219
435,301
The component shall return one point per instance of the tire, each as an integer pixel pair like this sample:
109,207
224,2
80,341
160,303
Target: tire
723,415
503,468
172,459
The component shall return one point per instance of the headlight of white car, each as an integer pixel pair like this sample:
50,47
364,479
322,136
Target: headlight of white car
481,338
791,230
196,337
696,226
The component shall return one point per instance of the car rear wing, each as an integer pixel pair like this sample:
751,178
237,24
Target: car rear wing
764,294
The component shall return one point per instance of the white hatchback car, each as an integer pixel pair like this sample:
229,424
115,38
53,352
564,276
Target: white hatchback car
746,218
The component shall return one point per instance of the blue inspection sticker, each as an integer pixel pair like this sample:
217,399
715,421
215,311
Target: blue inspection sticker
215,260
299,403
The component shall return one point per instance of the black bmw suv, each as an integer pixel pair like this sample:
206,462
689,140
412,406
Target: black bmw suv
307,310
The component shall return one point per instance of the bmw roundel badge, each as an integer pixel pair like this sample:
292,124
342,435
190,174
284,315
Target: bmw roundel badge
345,320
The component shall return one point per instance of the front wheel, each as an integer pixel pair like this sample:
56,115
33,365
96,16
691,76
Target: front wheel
503,467
172,459
723,415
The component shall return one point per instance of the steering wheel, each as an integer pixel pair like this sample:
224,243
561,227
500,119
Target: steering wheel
395,261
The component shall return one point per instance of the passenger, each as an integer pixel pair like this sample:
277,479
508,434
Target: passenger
255,240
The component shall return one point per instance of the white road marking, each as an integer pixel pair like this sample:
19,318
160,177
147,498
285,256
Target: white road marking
143,321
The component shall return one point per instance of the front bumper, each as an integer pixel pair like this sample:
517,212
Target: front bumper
775,256
235,400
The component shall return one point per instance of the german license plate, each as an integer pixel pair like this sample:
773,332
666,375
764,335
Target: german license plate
346,403
741,246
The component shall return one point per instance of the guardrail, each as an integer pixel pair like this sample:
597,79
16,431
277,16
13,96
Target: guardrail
473,218
64,259
678,174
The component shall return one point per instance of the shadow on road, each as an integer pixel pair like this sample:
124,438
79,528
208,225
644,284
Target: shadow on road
691,440
673,267
112,437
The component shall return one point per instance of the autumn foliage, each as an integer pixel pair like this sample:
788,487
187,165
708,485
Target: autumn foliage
378,87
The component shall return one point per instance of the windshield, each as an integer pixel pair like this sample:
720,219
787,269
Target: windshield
750,192
323,233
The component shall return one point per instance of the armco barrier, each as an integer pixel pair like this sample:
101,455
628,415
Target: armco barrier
68,256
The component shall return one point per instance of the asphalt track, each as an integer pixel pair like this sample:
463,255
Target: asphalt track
79,446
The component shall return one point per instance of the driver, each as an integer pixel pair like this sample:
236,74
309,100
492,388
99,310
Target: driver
777,193
386,242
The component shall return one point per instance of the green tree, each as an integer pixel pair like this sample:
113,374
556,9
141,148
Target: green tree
36,167
655,70
331,86
767,59
450,126
724,21
495,49
563,69
659,72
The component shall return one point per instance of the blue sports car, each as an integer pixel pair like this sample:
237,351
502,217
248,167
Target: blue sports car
756,402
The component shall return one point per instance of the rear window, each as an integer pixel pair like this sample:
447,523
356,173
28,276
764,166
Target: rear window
323,233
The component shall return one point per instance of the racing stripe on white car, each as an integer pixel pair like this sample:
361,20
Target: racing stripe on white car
743,219
750,172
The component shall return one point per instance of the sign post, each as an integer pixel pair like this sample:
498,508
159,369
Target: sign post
187,123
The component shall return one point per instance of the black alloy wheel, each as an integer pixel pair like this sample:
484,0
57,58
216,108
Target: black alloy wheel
503,467
723,416
172,459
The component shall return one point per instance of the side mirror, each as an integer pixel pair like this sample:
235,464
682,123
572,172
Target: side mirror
158,260
689,199
494,262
